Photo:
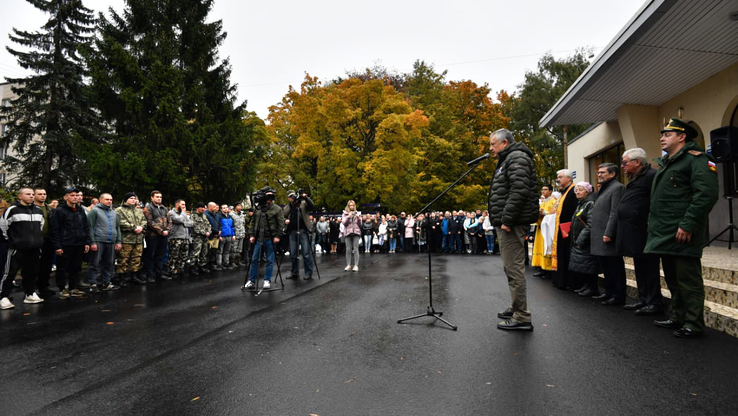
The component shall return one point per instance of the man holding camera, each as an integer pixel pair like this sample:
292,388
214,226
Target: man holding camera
299,228
265,231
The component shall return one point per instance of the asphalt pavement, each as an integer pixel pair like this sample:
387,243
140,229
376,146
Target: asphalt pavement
332,346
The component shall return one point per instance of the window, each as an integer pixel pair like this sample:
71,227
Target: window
612,155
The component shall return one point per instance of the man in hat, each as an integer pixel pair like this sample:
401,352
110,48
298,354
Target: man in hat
299,228
132,226
265,231
684,191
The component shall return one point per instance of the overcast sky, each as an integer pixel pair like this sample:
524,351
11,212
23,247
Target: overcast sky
272,43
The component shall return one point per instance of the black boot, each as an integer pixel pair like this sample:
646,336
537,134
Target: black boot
139,278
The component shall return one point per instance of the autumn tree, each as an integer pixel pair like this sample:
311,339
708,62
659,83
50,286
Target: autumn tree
537,94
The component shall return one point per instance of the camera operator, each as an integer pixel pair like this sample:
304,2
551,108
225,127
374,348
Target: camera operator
265,231
299,228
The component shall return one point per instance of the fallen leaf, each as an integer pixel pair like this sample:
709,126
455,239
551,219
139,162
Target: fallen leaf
215,307
402,358
26,314
139,304
110,323
545,325
693,394
549,385
350,380
489,383
196,398
105,310
438,371
314,414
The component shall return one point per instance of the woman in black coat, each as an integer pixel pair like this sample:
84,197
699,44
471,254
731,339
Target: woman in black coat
582,264
335,230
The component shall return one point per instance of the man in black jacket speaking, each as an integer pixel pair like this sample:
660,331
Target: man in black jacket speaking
513,206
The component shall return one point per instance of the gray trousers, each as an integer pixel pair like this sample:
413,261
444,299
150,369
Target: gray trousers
512,252
352,250
102,264
224,252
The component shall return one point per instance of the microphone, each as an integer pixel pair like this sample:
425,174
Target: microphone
477,160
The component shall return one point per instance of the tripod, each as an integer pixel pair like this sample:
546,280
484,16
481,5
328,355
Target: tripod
278,262
430,311
728,185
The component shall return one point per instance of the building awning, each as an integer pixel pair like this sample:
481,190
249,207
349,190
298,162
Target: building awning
668,47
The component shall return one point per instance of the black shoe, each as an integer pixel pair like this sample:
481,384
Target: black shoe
204,270
150,279
307,277
293,276
613,302
581,289
589,292
193,271
687,333
634,306
668,324
510,324
601,296
138,281
648,310
46,293
164,277
506,314
217,268
94,289
538,274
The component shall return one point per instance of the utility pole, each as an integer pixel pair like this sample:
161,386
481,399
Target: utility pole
566,150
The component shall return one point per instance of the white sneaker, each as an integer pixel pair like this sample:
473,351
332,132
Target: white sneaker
348,268
249,284
356,268
5,303
33,298
267,285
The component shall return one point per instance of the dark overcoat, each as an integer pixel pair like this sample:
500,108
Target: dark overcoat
605,218
633,214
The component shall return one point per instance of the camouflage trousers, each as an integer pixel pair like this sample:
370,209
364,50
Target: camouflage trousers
129,258
178,250
200,251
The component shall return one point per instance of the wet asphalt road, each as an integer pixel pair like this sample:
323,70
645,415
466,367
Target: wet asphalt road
333,347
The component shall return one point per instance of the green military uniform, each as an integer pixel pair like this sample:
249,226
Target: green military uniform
683,193
201,248
129,256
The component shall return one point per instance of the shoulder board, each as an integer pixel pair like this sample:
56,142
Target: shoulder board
694,152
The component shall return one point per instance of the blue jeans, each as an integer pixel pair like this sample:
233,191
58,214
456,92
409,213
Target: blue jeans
393,244
307,253
269,250
402,242
102,263
490,243
446,240
367,243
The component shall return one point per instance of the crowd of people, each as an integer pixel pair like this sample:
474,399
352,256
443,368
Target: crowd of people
658,219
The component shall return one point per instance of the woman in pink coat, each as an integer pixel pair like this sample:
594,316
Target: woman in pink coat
351,221
409,232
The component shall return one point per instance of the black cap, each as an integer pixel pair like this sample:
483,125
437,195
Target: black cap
200,205
128,195
70,190
679,126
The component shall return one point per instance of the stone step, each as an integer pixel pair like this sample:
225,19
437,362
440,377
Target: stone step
717,316
718,292
713,273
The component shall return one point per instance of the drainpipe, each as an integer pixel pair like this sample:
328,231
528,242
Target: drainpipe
566,145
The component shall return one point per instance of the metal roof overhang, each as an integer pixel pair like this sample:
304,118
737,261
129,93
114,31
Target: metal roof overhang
668,47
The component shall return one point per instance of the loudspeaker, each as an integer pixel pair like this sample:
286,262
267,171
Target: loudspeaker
724,143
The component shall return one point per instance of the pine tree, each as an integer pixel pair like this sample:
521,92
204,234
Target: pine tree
170,105
51,117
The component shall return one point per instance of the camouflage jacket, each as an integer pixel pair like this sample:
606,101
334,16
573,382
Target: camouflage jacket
200,225
130,218
157,217
239,224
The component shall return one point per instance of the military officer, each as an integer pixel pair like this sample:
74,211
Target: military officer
684,191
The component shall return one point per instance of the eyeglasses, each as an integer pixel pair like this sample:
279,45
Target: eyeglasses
625,162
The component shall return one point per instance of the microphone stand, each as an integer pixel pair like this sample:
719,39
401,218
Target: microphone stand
430,311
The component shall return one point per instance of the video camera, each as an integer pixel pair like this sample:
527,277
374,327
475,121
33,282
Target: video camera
261,197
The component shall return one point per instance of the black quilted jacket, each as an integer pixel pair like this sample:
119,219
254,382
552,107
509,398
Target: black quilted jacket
513,195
